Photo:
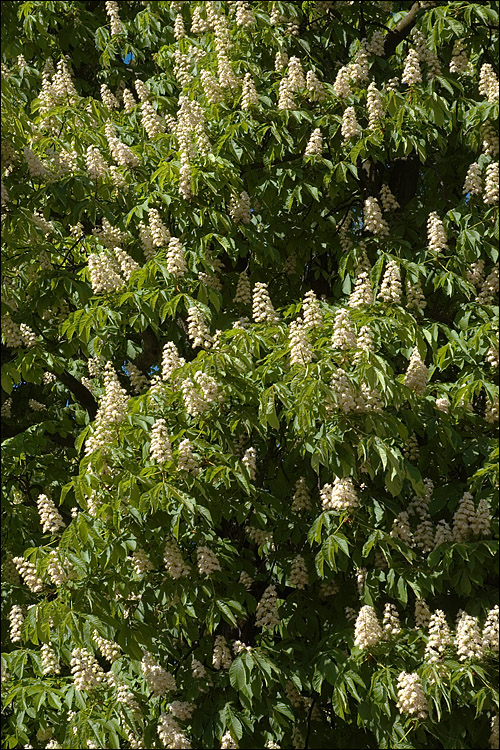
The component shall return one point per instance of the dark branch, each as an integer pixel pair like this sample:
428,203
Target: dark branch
402,29
82,394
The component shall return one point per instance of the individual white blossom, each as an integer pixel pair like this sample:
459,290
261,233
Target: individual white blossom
436,234
267,609
373,219
174,562
262,307
411,696
411,73
159,681
367,630
350,126
416,374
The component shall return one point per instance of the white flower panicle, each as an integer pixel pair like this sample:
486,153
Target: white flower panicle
112,411
244,16
422,614
267,609
286,98
137,378
343,391
243,294
342,84
443,533
249,96
246,580
390,290
315,144
459,62
159,232
490,194
50,662
373,219
158,680
301,499
151,120
35,167
87,674
296,74
315,89
141,562
298,573
362,294
28,573
489,287
411,696
103,276
436,234
311,311
108,98
142,90
182,710
473,181
16,619
185,458
174,562
120,152
350,126
198,670
129,101
227,742
411,73
443,404
490,630
301,352
343,336
375,45
468,638
211,87
170,360
249,461
364,344
416,374
390,620
415,298
389,202
57,574
240,208
109,649
262,307
114,17
207,561
179,30
198,331
176,260
439,637
374,106
488,82
367,630
340,495
127,264
221,656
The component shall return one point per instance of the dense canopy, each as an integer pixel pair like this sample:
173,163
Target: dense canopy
249,374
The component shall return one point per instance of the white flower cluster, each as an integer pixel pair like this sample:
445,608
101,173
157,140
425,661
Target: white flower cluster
16,619
286,98
108,98
258,536
262,307
243,294
170,733
137,378
426,55
343,336
422,614
416,374
411,71
174,562
227,742
301,352
373,219
245,580
141,562
198,330
489,288
249,96
35,167
109,649
11,332
28,336
198,670
112,411
221,656
211,87
311,311
490,630
315,89
390,289
350,126
35,405
298,573
6,408
57,574
50,517
468,638
151,121
182,710
364,345
471,523
50,662
459,62
267,609
415,298
411,696
362,294
280,60
87,674
374,106
314,144
170,360
158,680
473,182
249,461
186,460
179,30
436,234
439,637
488,82
390,620
103,273
240,208
342,84
120,152
142,90
389,202
490,194
207,561
28,573
128,100
125,697
367,630
301,499
340,495
343,391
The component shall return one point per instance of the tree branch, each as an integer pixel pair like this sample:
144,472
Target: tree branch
402,29
82,394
